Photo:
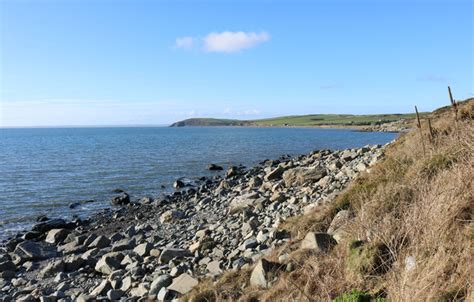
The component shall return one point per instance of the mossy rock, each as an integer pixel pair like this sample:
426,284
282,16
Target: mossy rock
357,296
365,258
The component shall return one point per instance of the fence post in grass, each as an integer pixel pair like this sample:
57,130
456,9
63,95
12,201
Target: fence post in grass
431,131
453,104
419,128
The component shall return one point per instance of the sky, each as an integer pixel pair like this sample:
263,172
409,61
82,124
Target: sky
104,62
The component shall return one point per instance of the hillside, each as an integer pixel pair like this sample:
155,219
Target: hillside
402,231
301,120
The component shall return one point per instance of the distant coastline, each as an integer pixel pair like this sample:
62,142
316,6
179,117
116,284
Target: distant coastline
377,122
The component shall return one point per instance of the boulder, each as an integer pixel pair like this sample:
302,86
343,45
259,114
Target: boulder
171,215
102,288
339,225
183,284
178,184
108,263
122,199
242,202
214,167
44,227
170,253
56,236
321,242
143,249
29,250
263,273
300,176
275,173
160,282
100,242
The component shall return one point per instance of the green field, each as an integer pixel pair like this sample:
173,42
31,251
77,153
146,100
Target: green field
301,120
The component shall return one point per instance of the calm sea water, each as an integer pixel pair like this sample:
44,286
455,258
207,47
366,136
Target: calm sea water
42,171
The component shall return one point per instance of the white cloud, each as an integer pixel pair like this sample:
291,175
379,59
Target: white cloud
184,42
229,42
225,42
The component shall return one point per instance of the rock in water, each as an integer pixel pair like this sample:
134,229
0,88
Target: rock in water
214,167
120,200
178,184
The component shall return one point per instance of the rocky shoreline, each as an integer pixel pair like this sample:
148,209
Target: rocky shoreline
159,249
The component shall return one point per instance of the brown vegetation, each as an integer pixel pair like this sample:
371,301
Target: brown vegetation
410,238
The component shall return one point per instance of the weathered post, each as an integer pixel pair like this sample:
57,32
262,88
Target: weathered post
453,104
419,128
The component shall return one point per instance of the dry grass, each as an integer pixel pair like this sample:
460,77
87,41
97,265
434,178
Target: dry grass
410,206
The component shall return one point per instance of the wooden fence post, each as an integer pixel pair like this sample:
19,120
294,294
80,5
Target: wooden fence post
419,128
453,103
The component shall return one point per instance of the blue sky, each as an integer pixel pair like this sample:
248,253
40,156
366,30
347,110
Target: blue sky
154,62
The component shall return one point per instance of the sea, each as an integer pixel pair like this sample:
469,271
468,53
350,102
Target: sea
44,170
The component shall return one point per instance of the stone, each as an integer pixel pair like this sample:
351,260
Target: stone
126,284
122,199
166,295
100,242
321,242
160,282
340,220
85,298
107,264
114,294
29,250
249,244
56,236
143,249
140,291
263,272
170,253
44,227
178,184
242,202
300,176
171,215
214,268
275,173
214,167
7,266
52,268
102,288
183,284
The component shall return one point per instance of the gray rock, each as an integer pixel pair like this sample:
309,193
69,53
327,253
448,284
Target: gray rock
53,268
166,295
263,273
29,250
44,227
275,173
114,294
120,200
183,284
159,283
102,288
107,264
100,242
300,176
169,253
171,215
321,242
56,236
143,249
85,298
